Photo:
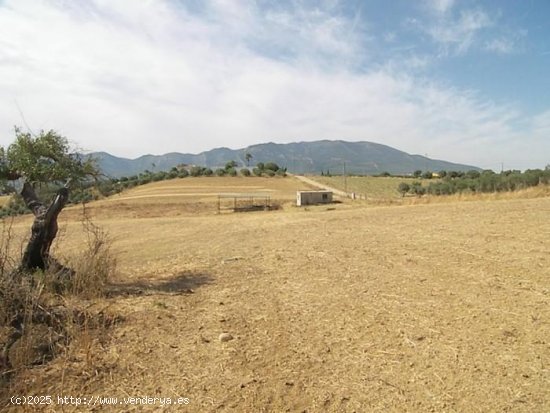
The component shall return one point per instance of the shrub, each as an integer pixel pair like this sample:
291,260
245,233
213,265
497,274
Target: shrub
196,171
207,172
36,320
271,166
440,188
183,173
245,172
159,176
220,172
473,174
417,188
257,171
230,165
95,265
232,172
403,188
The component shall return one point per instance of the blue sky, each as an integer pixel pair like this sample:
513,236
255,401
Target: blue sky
466,81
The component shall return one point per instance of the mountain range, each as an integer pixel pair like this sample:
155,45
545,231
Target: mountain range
301,157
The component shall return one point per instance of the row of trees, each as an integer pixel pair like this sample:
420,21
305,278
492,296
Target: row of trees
443,174
475,181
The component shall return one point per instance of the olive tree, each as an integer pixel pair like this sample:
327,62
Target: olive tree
39,160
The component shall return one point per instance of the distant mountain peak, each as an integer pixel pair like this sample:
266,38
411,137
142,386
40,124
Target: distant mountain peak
361,157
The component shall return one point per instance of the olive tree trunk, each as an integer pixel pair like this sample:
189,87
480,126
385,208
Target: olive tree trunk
43,231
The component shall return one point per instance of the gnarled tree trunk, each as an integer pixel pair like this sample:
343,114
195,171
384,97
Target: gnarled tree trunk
43,231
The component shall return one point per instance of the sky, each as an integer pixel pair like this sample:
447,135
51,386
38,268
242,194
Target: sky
461,80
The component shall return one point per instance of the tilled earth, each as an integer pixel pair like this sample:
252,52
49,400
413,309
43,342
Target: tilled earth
415,308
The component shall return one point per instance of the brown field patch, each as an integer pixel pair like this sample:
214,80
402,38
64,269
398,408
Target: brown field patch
188,196
410,308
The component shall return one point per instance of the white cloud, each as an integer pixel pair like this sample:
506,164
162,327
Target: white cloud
457,35
153,77
501,46
441,6
508,43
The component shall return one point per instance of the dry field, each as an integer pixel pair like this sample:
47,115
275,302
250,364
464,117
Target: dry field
191,196
442,307
376,188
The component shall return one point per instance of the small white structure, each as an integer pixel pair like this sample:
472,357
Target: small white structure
313,197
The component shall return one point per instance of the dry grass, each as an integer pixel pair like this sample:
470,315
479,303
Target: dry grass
4,199
45,314
413,308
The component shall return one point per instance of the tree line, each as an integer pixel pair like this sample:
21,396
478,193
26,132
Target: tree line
452,182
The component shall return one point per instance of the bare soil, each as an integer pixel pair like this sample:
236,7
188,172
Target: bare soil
442,307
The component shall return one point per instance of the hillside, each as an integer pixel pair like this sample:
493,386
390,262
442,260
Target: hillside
301,157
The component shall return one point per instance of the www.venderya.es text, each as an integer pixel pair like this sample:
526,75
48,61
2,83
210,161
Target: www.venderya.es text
98,400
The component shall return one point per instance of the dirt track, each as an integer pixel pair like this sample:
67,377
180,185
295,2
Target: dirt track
419,308
316,184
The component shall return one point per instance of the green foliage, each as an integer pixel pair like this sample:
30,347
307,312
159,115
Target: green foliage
245,172
257,171
15,206
439,188
81,196
44,158
6,188
184,173
269,172
417,173
271,166
427,175
473,174
417,189
403,188
385,173
281,172
159,176
489,181
230,165
220,172
232,172
196,171
260,166
442,174
207,172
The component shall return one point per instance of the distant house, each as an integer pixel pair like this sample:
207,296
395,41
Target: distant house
313,197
